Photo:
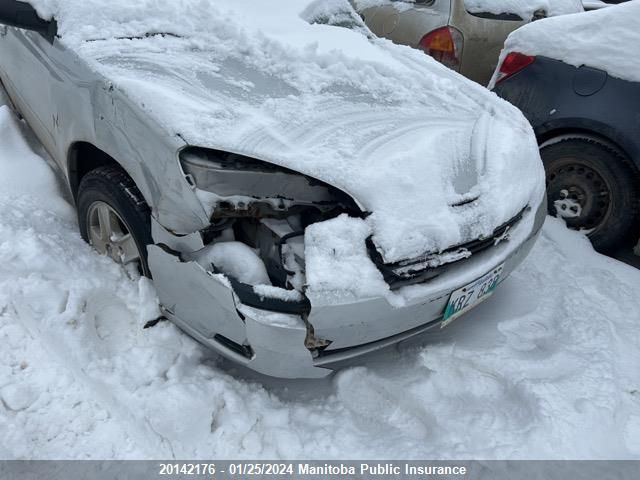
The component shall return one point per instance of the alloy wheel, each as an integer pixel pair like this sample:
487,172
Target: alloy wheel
110,236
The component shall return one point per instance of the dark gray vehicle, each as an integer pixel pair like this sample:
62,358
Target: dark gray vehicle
587,123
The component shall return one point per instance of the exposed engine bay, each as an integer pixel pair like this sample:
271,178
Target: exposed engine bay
259,213
267,227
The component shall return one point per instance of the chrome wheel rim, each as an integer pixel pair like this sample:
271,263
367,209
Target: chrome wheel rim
110,236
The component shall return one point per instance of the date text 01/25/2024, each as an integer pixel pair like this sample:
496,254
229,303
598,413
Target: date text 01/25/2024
290,470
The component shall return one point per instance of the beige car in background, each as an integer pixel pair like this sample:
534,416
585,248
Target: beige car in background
457,33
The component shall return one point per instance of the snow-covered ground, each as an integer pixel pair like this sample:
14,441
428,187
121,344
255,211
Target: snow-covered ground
548,368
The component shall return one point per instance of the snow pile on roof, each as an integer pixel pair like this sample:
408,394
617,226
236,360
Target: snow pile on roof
608,39
524,8
400,5
547,368
405,136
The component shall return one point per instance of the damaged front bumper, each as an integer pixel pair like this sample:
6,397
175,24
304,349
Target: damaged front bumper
277,343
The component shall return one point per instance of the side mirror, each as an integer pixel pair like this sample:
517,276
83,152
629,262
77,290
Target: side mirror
22,15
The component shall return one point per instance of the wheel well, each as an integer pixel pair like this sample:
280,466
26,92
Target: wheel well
563,133
83,158
582,133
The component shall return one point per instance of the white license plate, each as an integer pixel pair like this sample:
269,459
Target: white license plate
465,298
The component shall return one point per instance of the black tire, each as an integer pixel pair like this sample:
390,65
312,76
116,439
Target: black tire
597,183
112,185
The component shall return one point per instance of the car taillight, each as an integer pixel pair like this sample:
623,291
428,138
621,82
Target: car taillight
445,45
512,64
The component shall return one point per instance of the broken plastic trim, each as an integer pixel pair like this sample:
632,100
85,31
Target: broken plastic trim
244,350
250,298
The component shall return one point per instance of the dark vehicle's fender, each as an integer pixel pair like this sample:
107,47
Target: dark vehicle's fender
552,96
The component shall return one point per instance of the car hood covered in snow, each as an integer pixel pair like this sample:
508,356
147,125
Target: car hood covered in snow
433,158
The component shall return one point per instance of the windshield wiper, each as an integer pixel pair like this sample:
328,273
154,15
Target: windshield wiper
137,37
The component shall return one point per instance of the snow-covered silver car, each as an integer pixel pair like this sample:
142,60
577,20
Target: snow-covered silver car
301,193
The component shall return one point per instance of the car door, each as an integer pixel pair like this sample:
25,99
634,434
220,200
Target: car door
484,36
406,23
27,74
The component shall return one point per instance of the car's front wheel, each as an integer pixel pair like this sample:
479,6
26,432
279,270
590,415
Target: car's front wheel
114,217
593,187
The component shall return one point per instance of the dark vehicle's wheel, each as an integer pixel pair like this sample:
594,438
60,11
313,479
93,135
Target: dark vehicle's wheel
114,217
593,187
